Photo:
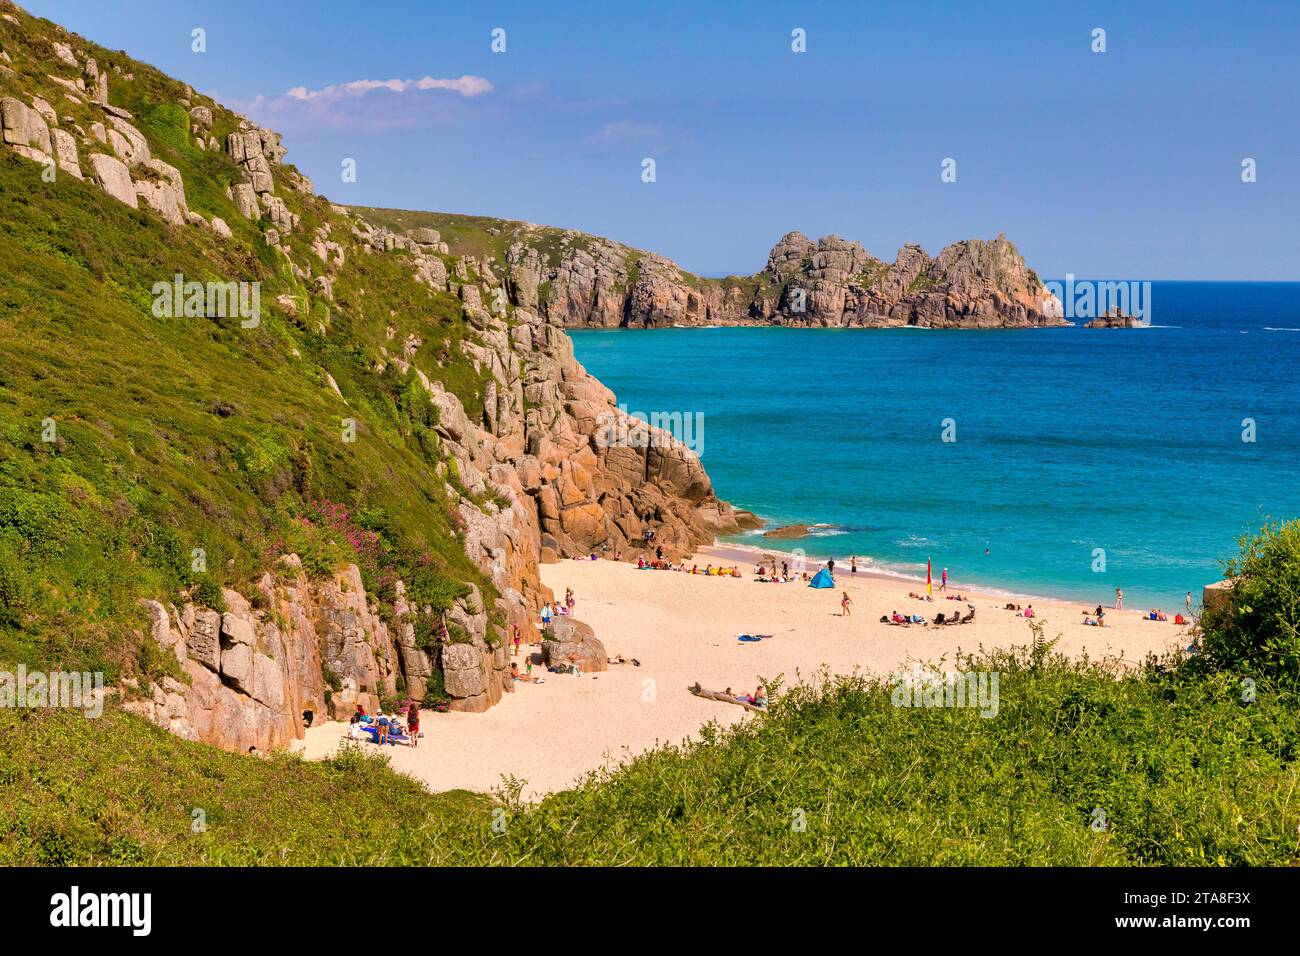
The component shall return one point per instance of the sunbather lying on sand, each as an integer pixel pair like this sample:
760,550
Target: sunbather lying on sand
620,659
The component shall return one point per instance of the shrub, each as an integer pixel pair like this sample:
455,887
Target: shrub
1256,629
208,593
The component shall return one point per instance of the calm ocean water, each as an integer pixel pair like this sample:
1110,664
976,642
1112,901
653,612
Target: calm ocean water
1068,440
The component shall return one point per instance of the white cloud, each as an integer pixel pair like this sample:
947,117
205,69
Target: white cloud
467,86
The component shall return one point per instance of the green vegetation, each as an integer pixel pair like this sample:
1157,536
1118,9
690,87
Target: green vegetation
1178,769
1256,630
159,457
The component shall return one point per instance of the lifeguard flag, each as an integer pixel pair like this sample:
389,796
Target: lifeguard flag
928,579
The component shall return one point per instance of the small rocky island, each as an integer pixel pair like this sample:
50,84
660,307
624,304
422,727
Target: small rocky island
1115,319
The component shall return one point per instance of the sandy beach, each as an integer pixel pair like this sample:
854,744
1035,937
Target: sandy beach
683,628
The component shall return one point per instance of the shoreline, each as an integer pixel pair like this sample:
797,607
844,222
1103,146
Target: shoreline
684,629
740,552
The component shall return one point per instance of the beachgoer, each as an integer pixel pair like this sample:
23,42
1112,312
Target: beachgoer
1188,602
1119,599
760,698
845,602
308,718
382,737
659,553
518,638
546,613
853,565
830,566
1029,610
943,586
413,724
785,569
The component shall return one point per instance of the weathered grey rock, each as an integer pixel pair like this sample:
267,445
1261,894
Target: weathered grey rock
203,643
245,200
219,226
462,670
161,187
24,127
65,152
574,643
114,178
201,119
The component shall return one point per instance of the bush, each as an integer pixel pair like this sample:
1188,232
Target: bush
208,593
1256,629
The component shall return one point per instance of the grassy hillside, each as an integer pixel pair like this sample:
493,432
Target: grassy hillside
487,236
127,442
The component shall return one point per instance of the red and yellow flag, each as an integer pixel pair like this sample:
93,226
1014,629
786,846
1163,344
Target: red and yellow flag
928,578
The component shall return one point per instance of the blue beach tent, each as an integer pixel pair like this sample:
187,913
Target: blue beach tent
822,579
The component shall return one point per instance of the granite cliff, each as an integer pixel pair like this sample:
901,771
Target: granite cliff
581,281
474,446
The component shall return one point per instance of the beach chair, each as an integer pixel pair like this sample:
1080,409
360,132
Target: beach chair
939,618
969,617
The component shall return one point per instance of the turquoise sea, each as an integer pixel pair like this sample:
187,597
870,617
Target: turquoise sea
1067,440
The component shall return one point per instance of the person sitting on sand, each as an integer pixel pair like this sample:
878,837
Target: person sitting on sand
514,672
640,563
845,603
1029,610
760,698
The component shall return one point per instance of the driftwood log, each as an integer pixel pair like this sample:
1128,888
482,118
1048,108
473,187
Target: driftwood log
699,691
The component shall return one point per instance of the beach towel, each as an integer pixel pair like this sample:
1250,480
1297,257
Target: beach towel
822,579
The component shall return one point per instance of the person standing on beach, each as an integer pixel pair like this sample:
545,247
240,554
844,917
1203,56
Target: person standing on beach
1119,599
413,721
845,602
853,565
830,566
943,584
1188,602
518,638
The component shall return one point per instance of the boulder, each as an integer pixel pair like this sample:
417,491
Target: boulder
572,641
65,152
25,127
114,178
246,200
162,189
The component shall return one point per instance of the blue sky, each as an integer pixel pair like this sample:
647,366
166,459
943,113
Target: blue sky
1120,164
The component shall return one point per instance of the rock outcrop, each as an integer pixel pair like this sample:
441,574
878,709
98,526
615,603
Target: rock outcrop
593,282
572,642
300,644
1115,319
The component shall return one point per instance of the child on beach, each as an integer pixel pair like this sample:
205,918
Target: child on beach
845,603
